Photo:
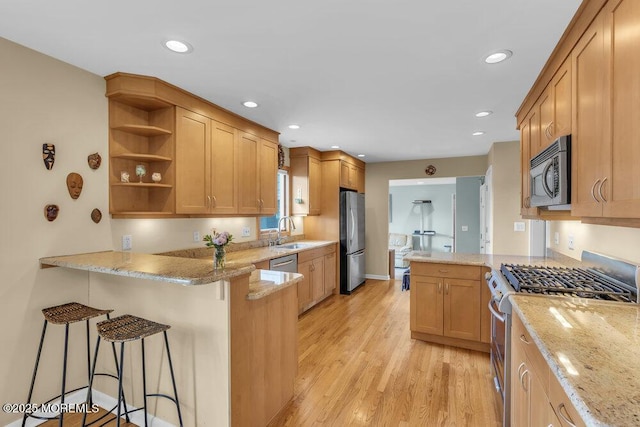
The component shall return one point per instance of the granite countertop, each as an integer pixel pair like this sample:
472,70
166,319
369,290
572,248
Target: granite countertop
485,260
267,282
265,253
591,348
183,271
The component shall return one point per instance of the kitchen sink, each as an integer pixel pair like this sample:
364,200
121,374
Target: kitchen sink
293,246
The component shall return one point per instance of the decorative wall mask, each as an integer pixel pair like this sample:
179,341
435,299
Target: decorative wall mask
74,184
96,215
48,155
94,160
51,212
430,170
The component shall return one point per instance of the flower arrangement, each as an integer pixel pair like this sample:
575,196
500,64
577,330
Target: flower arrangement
219,241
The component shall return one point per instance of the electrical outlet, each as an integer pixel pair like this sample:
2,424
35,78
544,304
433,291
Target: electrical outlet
556,238
570,242
246,231
126,242
196,236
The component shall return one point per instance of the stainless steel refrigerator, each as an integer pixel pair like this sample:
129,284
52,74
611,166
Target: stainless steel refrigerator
352,259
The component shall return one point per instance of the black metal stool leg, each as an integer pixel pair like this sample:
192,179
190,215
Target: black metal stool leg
173,378
64,372
93,371
120,391
35,371
115,359
89,362
144,384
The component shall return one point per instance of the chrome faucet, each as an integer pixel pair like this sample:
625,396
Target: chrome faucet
292,225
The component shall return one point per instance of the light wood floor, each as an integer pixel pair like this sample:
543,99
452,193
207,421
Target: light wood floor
359,366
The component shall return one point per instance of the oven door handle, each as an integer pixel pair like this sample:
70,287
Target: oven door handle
495,312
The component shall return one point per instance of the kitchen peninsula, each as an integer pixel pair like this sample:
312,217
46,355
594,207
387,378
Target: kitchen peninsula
233,332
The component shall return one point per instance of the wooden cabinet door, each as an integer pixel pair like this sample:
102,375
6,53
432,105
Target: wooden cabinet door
224,164
590,152
561,85
545,111
540,412
426,304
344,175
360,186
317,278
462,309
519,395
315,179
330,271
248,190
193,162
304,286
528,124
267,178
621,188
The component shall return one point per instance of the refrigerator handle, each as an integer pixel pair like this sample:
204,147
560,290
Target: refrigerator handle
353,226
358,254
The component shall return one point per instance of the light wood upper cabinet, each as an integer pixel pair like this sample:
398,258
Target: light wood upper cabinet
349,175
257,175
224,168
554,108
195,145
589,149
306,179
360,187
529,134
206,152
193,155
605,178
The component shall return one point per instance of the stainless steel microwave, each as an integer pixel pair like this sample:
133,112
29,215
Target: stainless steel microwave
550,174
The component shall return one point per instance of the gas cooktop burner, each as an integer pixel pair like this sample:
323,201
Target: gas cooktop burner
577,282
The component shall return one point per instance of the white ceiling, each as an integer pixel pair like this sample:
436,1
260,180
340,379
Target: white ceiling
395,80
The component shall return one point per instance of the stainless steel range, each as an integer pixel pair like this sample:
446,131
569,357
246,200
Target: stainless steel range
600,277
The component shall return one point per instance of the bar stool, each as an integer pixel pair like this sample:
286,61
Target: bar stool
131,328
66,314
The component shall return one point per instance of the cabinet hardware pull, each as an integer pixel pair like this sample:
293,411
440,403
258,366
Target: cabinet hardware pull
600,190
524,339
525,372
439,287
566,418
520,367
208,201
593,191
215,202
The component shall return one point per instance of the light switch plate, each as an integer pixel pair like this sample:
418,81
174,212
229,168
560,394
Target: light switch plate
570,242
556,238
518,226
126,242
465,228
196,236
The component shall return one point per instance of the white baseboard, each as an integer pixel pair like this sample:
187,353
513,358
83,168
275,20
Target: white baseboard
102,400
377,277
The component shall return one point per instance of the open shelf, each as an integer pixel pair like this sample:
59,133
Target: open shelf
141,184
143,130
142,157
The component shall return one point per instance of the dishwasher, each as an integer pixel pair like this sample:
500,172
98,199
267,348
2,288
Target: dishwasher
287,263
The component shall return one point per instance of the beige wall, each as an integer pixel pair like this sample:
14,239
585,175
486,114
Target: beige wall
619,242
504,158
377,199
45,101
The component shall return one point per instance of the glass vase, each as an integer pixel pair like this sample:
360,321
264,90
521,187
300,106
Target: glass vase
219,258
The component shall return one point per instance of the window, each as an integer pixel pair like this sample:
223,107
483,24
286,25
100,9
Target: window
271,222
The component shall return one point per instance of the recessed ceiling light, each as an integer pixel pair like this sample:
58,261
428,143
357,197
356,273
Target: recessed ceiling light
294,126
250,104
361,155
335,146
498,56
478,133
178,46
484,113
